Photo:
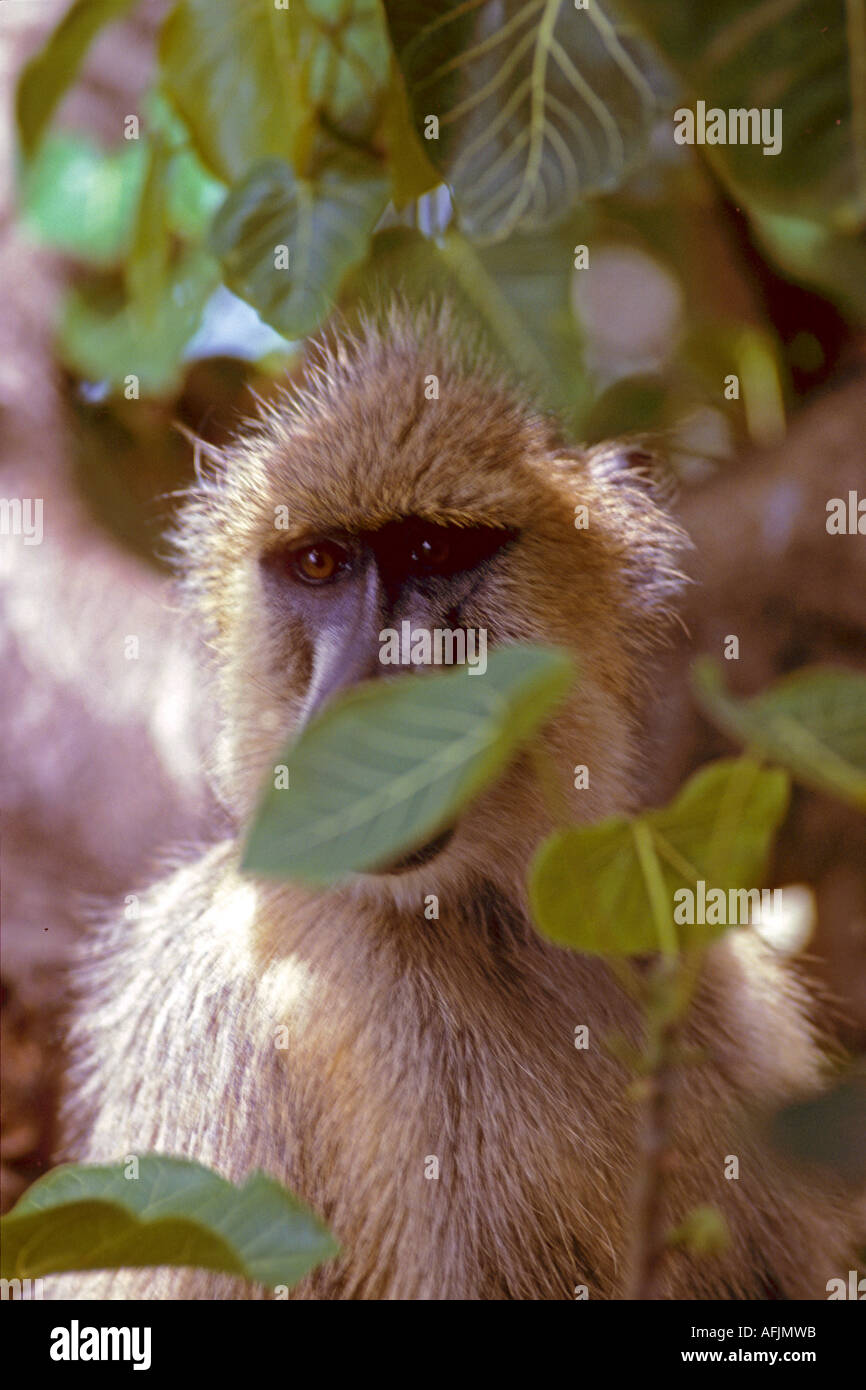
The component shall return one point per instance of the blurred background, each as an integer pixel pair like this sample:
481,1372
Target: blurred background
157,159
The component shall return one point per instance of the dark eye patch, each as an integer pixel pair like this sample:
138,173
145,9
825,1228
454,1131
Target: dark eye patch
418,548
410,550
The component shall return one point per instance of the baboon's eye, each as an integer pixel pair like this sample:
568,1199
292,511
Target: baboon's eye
319,563
447,550
432,549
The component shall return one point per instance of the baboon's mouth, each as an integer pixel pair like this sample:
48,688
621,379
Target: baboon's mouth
419,857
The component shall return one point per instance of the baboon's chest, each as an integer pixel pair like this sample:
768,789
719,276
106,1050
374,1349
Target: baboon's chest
458,1161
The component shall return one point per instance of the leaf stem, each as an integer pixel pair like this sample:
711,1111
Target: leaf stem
655,885
649,1240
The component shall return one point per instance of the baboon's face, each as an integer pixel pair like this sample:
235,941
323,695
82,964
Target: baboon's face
345,591
337,605
373,507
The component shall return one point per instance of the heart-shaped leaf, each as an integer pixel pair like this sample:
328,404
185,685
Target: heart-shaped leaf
324,222
388,766
608,889
172,1213
252,80
813,722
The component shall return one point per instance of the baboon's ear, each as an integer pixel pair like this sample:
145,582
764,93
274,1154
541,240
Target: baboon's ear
634,464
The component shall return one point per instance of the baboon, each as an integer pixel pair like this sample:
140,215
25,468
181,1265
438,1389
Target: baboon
411,1039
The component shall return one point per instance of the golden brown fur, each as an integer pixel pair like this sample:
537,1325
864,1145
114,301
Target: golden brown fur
453,1038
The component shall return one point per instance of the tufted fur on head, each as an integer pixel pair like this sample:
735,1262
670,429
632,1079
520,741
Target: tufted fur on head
360,443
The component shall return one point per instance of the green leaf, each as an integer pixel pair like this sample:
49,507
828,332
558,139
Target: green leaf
797,56
344,57
106,337
226,65
174,1213
588,886
412,174
813,722
193,196
81,201
253,82
810,250
631,405
105,207
521,288
829,1130
325,222
147,265
52,71
392,763
88,204
539,104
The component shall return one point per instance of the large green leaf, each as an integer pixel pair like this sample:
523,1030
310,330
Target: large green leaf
813,722
173,1213
53,70
604,888
538,103
252,81
325,222
797,56
387,767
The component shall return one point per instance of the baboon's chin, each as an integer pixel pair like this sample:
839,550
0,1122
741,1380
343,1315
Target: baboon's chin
420,857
